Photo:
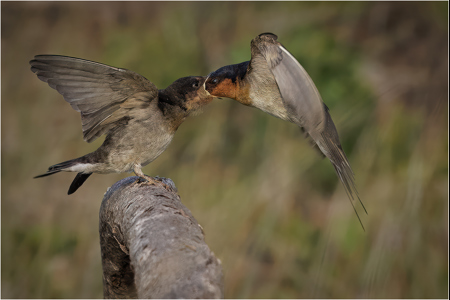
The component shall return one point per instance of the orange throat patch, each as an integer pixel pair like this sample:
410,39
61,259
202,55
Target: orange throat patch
232,90
225,89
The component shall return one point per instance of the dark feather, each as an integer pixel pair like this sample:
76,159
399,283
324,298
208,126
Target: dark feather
77,182
59,167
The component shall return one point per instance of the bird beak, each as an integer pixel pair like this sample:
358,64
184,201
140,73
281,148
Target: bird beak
204,84
203,93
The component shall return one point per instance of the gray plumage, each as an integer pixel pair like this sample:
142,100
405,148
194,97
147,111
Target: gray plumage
102,94
138,119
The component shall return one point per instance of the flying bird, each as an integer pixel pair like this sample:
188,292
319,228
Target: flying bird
139,120
275,82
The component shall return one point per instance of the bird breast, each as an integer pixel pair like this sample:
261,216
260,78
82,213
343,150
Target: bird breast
263,90
140,142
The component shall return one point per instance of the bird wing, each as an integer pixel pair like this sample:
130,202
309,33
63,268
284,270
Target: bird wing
299,93
104,95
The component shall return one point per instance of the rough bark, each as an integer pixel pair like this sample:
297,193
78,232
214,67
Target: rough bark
152,247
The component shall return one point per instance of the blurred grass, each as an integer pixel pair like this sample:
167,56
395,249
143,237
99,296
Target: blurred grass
273,212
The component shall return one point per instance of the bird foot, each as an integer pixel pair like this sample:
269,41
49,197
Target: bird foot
153,181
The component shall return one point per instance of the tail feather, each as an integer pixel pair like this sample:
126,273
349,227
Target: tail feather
59,167
330,145
79,179
77,182
349,186
47,173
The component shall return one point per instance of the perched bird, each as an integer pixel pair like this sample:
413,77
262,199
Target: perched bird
138,119
275,82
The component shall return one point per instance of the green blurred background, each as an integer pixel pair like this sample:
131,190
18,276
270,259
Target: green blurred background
272,210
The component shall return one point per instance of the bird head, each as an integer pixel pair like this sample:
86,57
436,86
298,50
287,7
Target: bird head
188,93
225,82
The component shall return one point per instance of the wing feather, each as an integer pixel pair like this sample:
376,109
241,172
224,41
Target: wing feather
299,93
95,90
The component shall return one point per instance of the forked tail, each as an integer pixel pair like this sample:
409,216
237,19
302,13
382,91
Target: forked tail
79,179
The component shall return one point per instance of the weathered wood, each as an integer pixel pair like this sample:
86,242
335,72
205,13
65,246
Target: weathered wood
152,247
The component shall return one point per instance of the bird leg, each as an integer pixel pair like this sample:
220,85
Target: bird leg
137,170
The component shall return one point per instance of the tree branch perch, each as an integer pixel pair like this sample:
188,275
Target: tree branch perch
152,247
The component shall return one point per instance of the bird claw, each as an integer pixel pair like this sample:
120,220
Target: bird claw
153,181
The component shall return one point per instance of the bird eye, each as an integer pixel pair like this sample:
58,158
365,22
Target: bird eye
215,80
195,84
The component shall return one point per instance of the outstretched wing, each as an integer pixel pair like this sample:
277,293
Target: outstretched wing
104,95
305,106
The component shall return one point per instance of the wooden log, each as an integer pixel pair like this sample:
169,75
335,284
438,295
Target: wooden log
152,246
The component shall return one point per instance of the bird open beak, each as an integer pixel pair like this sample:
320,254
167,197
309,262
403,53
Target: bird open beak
204,84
